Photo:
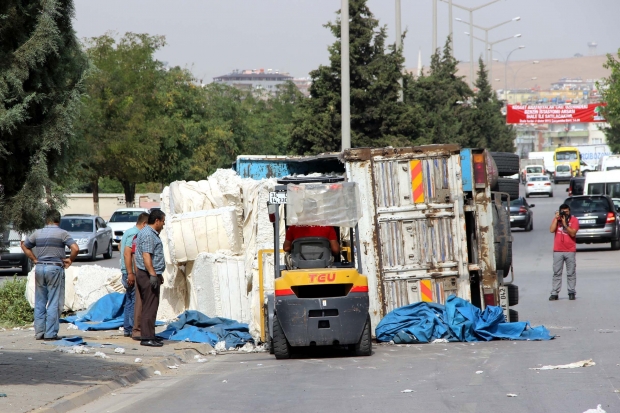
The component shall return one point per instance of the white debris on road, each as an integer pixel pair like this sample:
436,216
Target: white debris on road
407,391
224,381
577,364
439,340
72,327
157,373
479,372
138,360
119,350
101,355
511,395
598,409
73,350
176,366
200,359
220,346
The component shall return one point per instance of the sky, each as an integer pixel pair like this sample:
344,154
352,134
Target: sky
214,37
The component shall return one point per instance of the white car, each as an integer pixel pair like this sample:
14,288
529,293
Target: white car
538,185
121,220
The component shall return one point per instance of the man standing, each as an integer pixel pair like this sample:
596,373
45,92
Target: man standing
150,267
128,271
49,274
565,228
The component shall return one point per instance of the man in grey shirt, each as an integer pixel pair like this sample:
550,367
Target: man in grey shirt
49,274
149,274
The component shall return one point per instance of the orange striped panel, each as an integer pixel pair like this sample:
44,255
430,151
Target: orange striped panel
417,182
426,291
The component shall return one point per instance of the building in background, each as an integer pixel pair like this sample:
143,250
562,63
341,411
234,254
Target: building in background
255,80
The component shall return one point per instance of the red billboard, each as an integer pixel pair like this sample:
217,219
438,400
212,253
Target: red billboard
531,114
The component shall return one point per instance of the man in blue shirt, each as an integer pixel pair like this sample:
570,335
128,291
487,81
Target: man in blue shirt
49,273
150,267
128,271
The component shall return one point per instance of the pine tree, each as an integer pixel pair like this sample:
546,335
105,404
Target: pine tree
487,127
41,74
377,118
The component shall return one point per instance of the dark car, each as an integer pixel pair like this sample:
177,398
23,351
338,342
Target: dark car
576,185
521,216
598,219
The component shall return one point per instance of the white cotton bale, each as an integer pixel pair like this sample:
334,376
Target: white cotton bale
173,298
218,288
211,231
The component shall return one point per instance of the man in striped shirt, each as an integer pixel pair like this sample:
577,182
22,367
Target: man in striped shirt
49,275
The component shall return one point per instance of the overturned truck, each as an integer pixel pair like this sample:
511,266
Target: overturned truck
435,221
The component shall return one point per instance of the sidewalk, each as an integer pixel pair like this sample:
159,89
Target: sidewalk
34,376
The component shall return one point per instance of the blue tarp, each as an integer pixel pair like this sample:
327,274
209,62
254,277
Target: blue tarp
68,342
199,328
105,314
458,320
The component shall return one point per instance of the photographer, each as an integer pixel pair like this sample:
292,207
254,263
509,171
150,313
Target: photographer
565,227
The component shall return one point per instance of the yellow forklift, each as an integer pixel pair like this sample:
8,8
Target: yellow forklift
320,298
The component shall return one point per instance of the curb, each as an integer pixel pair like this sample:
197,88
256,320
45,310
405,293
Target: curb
83,397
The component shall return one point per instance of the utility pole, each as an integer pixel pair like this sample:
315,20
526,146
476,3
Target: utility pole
399,47
345,75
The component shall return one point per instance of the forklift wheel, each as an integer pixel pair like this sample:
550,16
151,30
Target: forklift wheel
364,346
281,347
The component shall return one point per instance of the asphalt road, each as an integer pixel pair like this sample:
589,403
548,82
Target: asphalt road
441,377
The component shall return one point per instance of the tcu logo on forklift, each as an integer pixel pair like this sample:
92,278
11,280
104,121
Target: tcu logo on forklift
321,278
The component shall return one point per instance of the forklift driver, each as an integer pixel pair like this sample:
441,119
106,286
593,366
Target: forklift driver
295,232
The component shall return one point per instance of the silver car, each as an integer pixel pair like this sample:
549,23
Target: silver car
91,234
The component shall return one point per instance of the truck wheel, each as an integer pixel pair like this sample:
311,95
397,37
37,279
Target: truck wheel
364,346
281,347
514,315
615,245
508,185
502,235
507,163
513,294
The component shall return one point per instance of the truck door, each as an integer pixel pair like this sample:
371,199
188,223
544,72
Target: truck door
420,229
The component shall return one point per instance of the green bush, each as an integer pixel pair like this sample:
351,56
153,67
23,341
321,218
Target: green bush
14,308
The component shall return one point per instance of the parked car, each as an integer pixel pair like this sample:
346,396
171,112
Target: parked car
521,215
576,185
11,254
538,185
563,173
91,234
121,220
598,219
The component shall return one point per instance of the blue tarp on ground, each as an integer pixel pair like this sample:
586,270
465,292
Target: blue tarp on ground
458,320
199,328
68,342
105,314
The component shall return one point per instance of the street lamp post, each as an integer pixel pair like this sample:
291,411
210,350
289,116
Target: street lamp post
506,66
471,11
514,76
486,34
399,46
345,75
491,44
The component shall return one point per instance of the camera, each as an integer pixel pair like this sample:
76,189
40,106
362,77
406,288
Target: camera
563,214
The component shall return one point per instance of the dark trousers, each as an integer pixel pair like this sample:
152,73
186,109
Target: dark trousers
137,317
150,302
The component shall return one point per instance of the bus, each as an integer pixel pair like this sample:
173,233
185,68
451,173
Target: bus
570,155
603,183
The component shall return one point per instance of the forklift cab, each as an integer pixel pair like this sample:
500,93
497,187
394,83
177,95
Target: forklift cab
320,298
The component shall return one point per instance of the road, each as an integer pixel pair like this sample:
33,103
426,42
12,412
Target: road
442,377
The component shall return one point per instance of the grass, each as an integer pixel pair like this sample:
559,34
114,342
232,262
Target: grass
14,308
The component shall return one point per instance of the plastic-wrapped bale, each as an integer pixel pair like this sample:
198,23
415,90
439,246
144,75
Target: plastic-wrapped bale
173,300
83,285
334,204
217,287
212,231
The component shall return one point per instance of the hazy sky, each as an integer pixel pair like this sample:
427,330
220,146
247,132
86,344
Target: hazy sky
213,37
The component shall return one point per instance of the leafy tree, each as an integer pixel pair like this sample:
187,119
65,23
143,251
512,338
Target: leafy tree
440,98
41,81
118,124
376,116
487,126
610,93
